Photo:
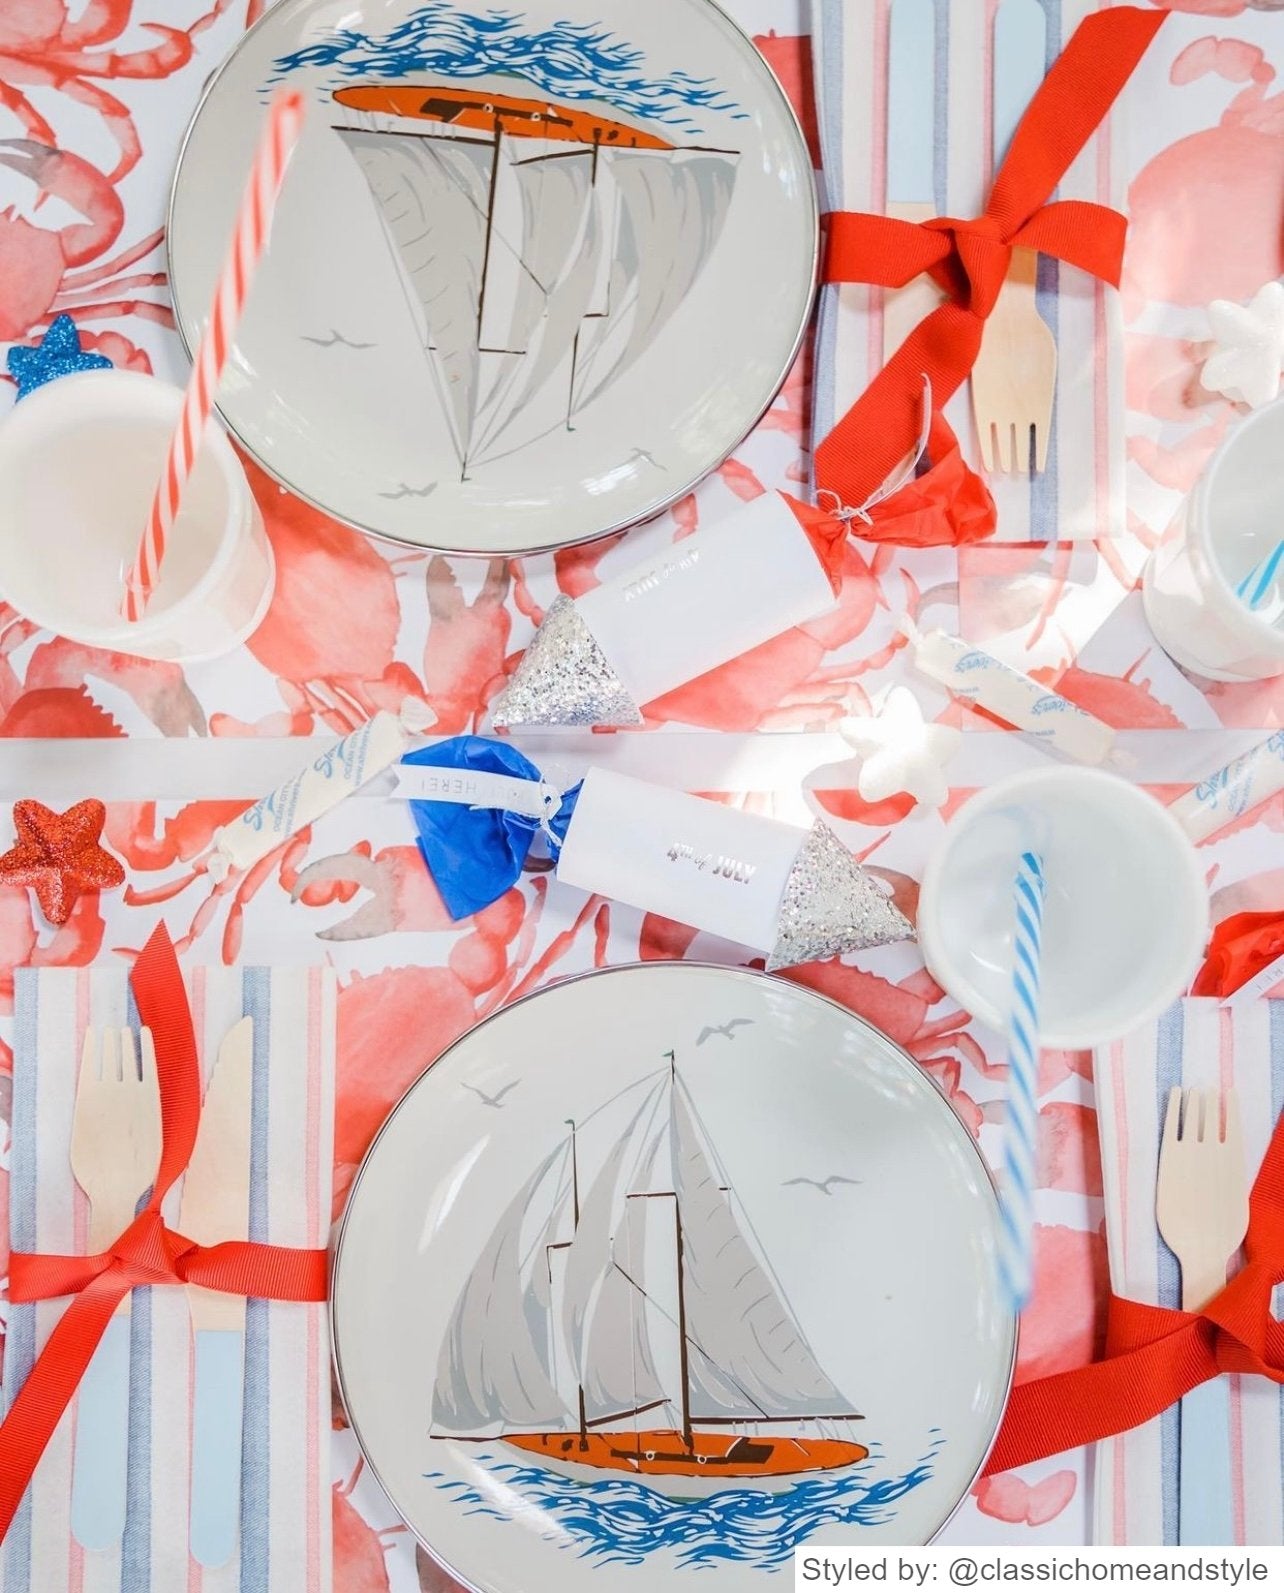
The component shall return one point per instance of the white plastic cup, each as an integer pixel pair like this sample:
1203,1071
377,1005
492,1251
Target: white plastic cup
1232,520
79,462
1126,916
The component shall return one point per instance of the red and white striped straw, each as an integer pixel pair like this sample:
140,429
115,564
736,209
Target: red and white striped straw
280,134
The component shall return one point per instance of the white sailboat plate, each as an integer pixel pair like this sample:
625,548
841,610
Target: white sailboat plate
661,1274
534,271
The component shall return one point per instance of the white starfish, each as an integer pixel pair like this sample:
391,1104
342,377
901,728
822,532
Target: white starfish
1249,347
901,751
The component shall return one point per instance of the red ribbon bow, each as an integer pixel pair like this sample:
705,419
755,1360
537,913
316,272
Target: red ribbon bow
970,259
146,1253
1155,1356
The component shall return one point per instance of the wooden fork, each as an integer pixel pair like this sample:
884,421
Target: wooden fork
1201,1205
1014,379
115,1152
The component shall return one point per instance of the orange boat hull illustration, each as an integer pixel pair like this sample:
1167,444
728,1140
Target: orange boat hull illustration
711,1455
489,113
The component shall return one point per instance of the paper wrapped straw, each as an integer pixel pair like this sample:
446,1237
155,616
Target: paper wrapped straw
1021,1139
983,681
1233,790
1259,580
339,771
249,238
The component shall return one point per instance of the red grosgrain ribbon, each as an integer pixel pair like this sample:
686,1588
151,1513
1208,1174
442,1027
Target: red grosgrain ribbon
970,259
1154,1355
146,1253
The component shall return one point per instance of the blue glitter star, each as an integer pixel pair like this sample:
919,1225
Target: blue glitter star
59,354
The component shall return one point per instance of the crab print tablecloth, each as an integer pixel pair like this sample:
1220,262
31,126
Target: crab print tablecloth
94,95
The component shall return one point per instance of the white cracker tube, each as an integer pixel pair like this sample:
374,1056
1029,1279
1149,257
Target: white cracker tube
797,895
1233,791
337,773
975,676
680,613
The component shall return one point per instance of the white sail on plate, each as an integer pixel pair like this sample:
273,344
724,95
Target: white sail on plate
749,1358
432,196
605,1310
490,1374
538,270
669,211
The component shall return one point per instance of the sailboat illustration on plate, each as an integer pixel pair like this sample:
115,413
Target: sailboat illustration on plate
543,247
634,1325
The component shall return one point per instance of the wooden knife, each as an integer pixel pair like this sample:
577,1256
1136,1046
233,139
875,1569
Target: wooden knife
216,1206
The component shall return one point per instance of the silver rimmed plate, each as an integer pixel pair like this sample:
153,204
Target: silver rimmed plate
535,270
663,1273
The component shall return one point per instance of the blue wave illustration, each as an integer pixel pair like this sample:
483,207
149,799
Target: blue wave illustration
569,60
621,1521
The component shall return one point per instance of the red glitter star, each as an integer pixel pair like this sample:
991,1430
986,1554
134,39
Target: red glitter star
58,855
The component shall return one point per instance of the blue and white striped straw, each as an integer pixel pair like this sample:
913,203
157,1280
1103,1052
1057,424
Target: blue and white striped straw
1259,580
1021,1137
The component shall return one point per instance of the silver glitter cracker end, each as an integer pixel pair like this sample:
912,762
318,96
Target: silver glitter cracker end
564,678
831,905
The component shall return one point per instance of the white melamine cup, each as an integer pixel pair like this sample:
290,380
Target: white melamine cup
79,462
1232,520
1126,915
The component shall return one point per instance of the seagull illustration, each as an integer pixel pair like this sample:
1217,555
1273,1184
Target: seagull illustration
404,491
492,1100
336,338
723,1029
824,1185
